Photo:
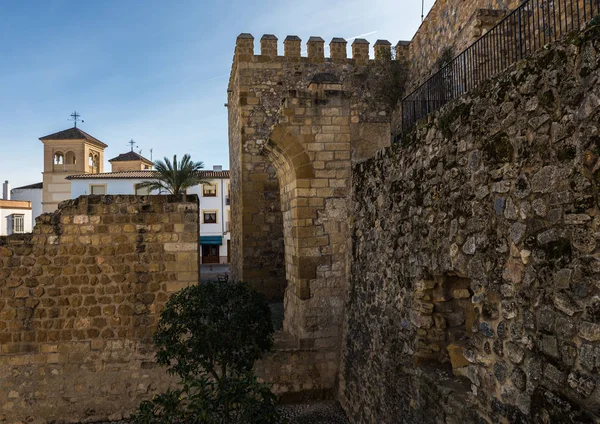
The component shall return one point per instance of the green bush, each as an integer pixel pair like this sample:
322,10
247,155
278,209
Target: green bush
210,335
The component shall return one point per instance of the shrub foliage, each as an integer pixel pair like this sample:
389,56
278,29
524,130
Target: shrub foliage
210,335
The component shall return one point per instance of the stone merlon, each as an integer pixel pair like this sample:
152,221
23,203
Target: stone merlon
315,49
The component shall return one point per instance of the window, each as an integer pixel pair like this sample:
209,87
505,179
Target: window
70,158
141,191
94,162
209,217
18,223
59,158
227,201
97,189
209,190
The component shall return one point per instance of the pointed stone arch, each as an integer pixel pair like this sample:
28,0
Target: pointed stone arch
284,142
295,172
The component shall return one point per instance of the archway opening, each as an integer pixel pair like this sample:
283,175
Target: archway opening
70,158
59,158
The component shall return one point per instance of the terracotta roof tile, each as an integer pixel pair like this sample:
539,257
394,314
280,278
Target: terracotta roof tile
129,156
140,174
30,186
73,134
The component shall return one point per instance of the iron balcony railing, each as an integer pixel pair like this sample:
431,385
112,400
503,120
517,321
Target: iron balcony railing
531,26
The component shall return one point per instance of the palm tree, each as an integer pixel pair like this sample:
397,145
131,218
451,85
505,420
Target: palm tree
176,177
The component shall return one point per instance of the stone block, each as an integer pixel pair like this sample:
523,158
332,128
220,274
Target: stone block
181,247
457,357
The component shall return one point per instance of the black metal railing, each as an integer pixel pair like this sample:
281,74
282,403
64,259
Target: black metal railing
531,26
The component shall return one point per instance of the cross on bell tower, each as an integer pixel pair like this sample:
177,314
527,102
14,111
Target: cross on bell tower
132,143
75,117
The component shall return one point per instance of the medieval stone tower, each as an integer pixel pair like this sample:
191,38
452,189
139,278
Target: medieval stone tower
296,126
68,152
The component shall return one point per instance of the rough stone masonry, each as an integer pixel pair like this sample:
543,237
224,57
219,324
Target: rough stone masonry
80,299
295,126
475,258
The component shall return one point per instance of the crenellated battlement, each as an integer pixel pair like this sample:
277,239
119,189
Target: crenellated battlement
315,50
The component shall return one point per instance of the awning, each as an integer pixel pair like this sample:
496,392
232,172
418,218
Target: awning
218,240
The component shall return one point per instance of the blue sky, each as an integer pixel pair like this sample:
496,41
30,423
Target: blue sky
154,71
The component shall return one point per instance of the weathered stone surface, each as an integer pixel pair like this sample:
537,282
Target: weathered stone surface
549,345
565,304
528,243
583,385
80,316
589,331
457,357
517,231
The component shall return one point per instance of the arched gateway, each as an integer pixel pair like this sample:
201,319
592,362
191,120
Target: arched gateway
295,127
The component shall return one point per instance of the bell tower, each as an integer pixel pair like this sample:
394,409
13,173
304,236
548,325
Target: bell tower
68,152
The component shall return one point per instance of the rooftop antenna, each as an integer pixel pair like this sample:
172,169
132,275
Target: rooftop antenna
132,143
75,117
151,154
422,10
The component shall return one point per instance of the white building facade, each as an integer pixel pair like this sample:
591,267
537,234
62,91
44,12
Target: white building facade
30,193
74,166
15,215
214,198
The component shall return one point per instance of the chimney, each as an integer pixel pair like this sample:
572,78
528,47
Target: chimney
217,167
6,190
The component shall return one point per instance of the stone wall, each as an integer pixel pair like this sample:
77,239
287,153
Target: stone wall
257,252
258,87
79,300
474,294
298,373
296,124
452,25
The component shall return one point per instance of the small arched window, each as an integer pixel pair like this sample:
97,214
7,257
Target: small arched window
70,158
59,158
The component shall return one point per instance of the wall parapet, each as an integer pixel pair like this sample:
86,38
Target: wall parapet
315,49
80,299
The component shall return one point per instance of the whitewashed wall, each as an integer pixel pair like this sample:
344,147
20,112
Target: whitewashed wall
6,221
33,195
215,203
113,186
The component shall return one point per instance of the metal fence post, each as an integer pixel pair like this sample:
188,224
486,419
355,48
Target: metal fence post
496,47
520,34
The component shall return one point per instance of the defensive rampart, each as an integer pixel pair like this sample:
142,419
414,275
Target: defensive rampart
296,124
474,294
79,300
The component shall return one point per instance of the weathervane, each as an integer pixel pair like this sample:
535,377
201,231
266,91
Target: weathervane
132,143
75,117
